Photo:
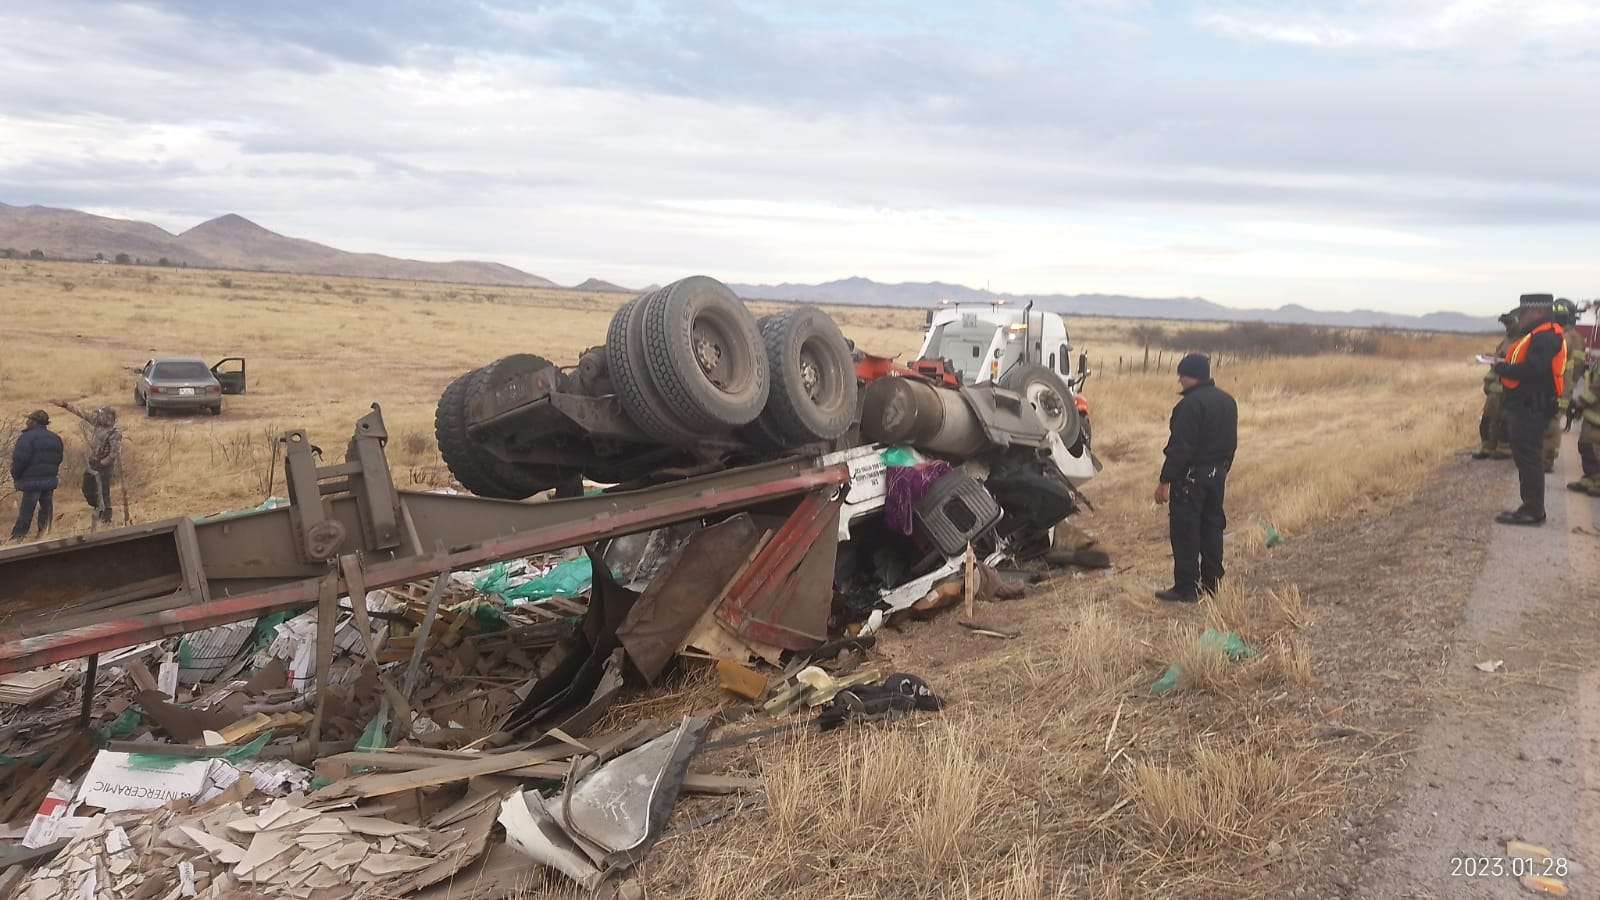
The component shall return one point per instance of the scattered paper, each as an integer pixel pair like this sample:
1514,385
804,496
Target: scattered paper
1490,665
273,777
219,777
186,879
45,827
167,677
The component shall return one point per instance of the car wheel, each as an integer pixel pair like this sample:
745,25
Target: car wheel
705,354
1049,396
630,377
216,410
813,393
149,411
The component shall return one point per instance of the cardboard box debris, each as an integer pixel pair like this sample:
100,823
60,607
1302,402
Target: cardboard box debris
118,781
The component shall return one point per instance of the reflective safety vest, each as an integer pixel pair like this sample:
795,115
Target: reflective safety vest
1558,366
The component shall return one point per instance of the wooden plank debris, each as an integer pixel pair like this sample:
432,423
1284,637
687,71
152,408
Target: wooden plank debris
24,688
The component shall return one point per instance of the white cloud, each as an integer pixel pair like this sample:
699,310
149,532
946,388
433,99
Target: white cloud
1491,29
1033,172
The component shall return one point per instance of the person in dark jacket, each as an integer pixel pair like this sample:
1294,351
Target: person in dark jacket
1532,374
36,469
1205,435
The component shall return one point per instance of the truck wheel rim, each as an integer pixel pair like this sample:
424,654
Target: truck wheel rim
719,354
1048,404
820,377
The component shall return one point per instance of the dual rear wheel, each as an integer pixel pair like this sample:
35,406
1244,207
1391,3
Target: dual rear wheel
688,362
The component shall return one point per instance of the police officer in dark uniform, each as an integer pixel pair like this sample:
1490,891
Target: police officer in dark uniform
1532,373
1205,434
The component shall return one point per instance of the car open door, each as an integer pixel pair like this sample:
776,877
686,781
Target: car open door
230,374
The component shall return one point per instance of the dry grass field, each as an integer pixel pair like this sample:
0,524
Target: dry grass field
1053,770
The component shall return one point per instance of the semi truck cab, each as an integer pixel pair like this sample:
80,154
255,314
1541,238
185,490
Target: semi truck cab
984,341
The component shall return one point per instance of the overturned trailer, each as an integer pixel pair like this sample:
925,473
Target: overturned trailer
808,442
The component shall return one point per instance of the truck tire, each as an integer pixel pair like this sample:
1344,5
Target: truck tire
455,446
704,354
759,434
630,376
519,479
470,464
1050,398
813,392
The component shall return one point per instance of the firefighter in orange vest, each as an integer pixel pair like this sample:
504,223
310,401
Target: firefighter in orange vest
1565,314
1533,374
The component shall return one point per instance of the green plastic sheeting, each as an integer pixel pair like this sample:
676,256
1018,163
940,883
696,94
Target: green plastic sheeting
568,579
1230,645
125,726
158,761
267,626
897,457
263,506
1274,538
375,736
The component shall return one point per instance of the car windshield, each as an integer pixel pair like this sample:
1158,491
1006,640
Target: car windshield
180,371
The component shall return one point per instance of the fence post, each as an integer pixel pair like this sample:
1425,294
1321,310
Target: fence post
1147,357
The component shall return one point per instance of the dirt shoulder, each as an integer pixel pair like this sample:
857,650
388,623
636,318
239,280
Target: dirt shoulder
1449,762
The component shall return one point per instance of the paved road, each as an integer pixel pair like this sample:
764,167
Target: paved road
1514,754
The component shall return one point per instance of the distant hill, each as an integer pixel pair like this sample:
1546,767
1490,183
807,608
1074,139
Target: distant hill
865,291
227,242
601,287
234,242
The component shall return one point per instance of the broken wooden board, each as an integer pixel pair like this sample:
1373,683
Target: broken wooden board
367,786
741,680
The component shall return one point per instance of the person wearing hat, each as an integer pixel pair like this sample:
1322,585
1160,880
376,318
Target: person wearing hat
105,455
1532,374
1492,424
36,470
1564,313
1587,402
1199,453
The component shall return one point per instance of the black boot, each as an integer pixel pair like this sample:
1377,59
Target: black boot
1520,517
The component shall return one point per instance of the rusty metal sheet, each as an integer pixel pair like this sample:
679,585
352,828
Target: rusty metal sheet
782,595
680,593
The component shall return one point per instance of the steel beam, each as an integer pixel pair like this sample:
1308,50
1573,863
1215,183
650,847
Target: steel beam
252,564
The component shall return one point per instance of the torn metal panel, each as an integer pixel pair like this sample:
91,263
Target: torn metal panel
605,821
570,688
636,558
767,602
693,580
617,810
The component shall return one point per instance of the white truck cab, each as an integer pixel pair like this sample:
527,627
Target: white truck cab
984,341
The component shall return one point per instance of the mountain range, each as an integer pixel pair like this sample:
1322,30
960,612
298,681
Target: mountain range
226,242
865,291
234,242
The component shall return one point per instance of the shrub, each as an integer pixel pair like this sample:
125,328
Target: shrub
1264,339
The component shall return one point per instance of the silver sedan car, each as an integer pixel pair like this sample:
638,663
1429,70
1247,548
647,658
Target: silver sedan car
185,383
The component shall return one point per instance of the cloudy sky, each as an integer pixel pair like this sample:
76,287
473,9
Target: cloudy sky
1399,154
